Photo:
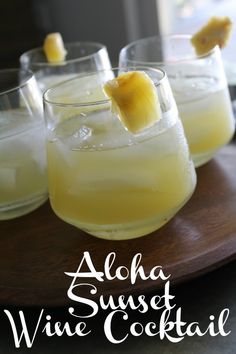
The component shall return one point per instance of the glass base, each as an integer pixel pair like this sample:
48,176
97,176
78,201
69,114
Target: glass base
202,159
119,232
21,208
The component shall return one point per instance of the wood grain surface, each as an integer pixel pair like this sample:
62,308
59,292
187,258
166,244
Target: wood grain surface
36,250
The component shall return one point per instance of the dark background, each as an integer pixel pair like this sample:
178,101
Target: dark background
25,23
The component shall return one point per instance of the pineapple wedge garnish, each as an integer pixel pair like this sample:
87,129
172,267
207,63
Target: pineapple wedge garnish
54,48
134,99
216,32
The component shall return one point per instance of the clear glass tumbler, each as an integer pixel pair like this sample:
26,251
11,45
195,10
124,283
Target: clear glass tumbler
105,180
81,57
23,182
199,86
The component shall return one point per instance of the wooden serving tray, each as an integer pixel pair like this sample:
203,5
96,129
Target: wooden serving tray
36,250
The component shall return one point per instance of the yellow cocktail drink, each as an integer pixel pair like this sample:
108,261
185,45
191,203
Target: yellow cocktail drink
124,182
198,83
23,176
110,182
208,121
23,180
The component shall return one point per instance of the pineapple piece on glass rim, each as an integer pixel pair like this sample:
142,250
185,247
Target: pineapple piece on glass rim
217,31
54,48
134,98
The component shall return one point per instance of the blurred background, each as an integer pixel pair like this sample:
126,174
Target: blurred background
24,23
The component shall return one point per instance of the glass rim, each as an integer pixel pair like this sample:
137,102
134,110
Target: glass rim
105,100
99,46
169,62
16,87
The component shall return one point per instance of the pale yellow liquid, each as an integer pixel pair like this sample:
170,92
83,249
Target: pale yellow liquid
208,122
23,180
120,187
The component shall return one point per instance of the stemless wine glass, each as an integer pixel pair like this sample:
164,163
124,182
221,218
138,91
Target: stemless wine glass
199,87
23,182
105,180
81,57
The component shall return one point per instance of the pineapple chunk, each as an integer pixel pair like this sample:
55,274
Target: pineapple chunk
54,48
216,32
134,99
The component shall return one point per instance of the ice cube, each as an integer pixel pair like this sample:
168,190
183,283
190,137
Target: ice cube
83,133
